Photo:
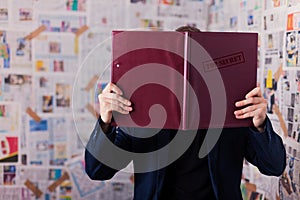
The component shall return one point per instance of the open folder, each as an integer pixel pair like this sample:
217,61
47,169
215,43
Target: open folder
184,80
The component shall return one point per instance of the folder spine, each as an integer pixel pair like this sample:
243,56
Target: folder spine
185,88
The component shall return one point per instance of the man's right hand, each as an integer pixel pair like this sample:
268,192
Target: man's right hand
111,100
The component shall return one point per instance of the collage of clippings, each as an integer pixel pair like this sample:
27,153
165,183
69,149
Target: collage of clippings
43,47
51,75
15,50
277,23
280,83
10,132
55,54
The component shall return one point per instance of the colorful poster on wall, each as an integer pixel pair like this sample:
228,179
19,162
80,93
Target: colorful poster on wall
9,149
292,40
8,175
5,50
10,122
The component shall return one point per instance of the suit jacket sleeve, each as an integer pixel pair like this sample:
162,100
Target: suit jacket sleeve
266,151
97,146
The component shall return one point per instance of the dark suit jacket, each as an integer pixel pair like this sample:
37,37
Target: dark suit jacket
225,161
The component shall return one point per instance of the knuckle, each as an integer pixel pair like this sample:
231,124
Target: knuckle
258,89
255,107
119,104
249,114
251,100
123,111
119,110
118,97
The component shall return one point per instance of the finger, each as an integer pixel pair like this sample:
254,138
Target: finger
253,114
108,110
256,111
115,97
255,92
250,100
112,88
118,108
106,103
247,109
112,104
246,115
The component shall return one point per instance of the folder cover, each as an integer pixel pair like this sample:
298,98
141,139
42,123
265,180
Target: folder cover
185,80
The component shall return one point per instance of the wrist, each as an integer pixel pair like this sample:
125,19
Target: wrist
105,121
105,126
261,128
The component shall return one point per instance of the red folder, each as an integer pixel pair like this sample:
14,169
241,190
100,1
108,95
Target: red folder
185,80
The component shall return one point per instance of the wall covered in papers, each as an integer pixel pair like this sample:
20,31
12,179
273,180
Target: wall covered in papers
51,74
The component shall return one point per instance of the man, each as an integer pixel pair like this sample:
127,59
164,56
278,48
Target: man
216,176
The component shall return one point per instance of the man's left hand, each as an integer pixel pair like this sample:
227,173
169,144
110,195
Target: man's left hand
256,107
